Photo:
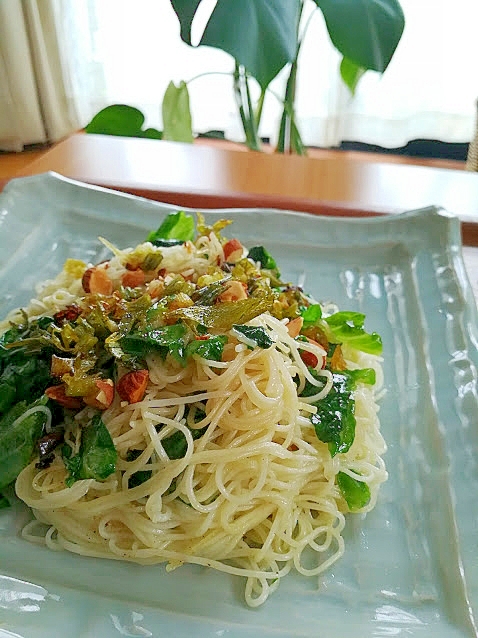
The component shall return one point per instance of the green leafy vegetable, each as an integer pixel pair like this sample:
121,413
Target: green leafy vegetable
175,226
174,340
334,421
18,437
224,315
176,445
253,336
309,388
24,375
97,456
364,375
141,476
167,243
263,256
312,314
347,327
4,502
162,339
356,493
211,348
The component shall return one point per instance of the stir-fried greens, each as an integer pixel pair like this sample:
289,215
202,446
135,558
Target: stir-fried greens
51,368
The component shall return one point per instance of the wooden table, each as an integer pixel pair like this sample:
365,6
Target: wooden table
204,177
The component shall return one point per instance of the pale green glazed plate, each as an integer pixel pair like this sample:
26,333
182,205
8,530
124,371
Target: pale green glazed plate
411,566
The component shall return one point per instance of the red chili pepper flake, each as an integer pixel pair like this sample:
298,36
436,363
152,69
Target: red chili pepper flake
70,313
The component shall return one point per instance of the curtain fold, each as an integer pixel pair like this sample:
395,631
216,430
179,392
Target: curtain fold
33,102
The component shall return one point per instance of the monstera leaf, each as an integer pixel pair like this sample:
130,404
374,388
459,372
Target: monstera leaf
366,32
260,34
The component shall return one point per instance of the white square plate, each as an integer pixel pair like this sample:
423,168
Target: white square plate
410,567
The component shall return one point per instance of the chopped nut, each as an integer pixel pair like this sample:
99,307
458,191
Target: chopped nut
235,291
233,250
103,398
132,386
156,288
96,281
58,393
295,326
133,278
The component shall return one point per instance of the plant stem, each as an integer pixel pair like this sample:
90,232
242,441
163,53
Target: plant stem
202,75
259,107
244,104
289,139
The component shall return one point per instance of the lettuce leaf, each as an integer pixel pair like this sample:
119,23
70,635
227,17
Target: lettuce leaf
347,327
179,226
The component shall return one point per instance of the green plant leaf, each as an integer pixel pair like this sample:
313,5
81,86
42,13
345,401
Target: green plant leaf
366,32
185,10
121,120
261,35
151,133
356,493
351,73
177,121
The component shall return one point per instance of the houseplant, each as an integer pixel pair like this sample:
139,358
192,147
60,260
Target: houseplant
263,37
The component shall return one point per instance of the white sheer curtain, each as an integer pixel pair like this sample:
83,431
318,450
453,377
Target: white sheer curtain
120,51
33,105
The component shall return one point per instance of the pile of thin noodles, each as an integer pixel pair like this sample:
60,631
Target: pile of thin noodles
255,495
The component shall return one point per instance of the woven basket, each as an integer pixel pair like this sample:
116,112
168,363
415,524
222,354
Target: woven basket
472,158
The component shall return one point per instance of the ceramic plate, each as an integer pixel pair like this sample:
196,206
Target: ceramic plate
411,566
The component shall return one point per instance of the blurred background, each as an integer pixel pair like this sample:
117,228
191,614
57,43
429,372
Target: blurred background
63,61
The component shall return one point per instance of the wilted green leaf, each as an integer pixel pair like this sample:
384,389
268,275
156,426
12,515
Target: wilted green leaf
224,315
366,32
121,120
177,121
